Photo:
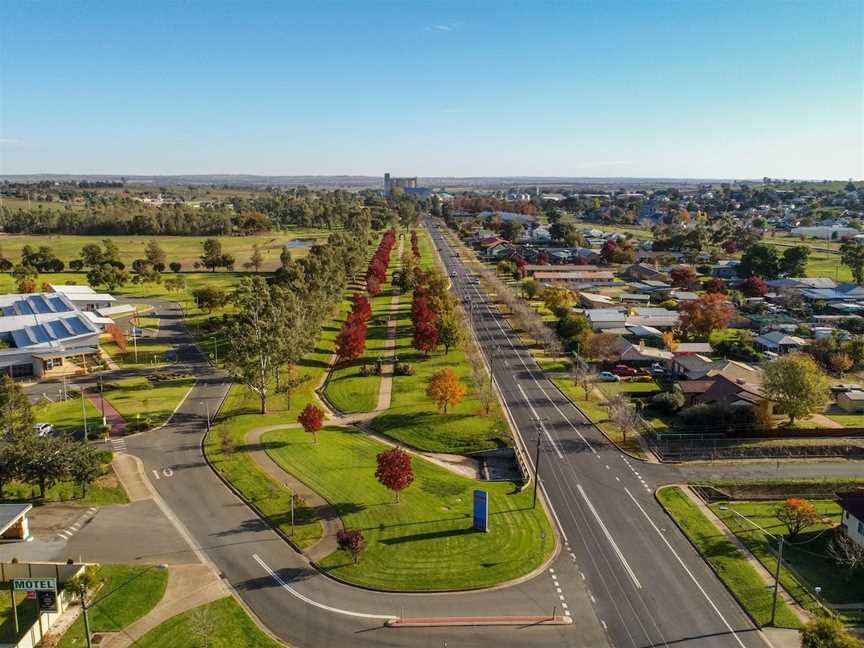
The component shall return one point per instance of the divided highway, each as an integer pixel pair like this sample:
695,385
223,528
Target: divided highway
649,585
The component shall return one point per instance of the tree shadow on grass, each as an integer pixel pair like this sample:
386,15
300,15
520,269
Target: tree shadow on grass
430,535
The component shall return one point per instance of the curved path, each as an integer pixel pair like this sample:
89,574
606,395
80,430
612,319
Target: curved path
602,501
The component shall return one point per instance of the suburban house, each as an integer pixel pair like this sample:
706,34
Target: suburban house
593,300
659,318
651,287
642,271
852,504
605,318
40,331
577,278
800,283
725,269
778,342
83,297
845,292
637,354
532,269
726,382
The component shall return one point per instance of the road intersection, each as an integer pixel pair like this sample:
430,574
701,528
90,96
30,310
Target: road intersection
624,573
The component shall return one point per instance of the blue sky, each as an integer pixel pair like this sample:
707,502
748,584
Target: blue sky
660,89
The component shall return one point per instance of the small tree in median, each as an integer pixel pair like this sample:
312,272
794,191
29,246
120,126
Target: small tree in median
394,470
796,514
352,541
446,389
311,418
827,633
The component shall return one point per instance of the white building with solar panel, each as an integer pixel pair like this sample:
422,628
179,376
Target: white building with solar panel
42,331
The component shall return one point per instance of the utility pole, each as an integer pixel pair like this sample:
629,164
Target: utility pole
776,579
83,592
84,412
102,401
135,341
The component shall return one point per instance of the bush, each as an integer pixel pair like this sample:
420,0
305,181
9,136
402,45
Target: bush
669,304
136,426
98,432
667,402
367,370
105,456
403,369
717,418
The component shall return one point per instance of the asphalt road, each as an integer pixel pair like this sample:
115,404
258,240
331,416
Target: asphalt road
624,573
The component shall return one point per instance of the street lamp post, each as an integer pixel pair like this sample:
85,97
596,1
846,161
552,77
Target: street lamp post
536,467
102,401
779,539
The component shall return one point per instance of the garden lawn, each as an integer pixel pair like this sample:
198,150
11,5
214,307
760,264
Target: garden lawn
231,628
807,555
127,594
413,418
426,541
105,490
726,560
139,397
226,447
67,416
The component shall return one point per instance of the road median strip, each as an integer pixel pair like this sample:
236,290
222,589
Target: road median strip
449,622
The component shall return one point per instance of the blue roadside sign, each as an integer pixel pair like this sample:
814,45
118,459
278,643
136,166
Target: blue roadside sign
481,510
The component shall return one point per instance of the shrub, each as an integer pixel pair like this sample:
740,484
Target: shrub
403,369
105,456
667,402
366,370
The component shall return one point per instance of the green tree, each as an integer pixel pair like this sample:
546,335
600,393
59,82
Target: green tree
797,384
15,410
760,260
852,256
257,259
45,461
108,275
211,256
209,298
793,263
155,255
449,328
84,467
827,633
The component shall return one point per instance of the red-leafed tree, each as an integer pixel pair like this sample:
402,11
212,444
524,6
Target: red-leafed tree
312,418
353,541
683,276
754,287
373,286
425,337
351,341
394,470
118,336
715,285
360,307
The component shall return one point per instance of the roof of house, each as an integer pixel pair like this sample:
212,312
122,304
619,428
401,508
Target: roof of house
605,315
779,338
564,267
634,297
645,331
693,347
71,289
853,503
639,352
853,395
694,386
9,514
575,275
684,295
41,320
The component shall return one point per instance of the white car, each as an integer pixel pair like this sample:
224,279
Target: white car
43,429
608,376
453,274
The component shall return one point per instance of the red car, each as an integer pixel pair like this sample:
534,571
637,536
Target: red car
625,371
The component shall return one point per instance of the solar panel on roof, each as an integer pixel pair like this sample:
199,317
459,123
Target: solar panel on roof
38,334
59,329
77,325
39,305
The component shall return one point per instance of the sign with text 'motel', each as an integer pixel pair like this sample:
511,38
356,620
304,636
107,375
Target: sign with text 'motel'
481,510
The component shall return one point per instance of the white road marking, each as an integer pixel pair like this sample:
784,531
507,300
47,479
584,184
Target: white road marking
603,623
686,569
608,535
156,473
542,427
321,606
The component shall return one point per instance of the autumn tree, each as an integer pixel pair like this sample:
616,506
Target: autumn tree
557,297
311,418
754,286
796,514
351,541
796,384
827,633
585,377
683,276
623,414
840,362
394,470
702,316
117,336
351,341
445,388
669,341
715,285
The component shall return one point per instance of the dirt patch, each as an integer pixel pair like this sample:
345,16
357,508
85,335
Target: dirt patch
48,519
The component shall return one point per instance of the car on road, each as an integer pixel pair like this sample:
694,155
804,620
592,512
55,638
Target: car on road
839,388
43,429
453,274
625,372
608,376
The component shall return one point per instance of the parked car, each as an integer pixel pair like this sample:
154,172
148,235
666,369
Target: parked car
43,429
839,388
608,376
657,369
453,274
625,371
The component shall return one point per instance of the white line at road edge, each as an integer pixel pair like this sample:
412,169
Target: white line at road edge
608,535
305,599
686,569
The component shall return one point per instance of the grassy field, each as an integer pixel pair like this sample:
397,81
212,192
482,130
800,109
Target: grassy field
185,249
807,555
67,416
413,418
426,541
139,398
230,627
127,594
731,566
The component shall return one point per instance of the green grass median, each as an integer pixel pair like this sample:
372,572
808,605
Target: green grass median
726,559
426,541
